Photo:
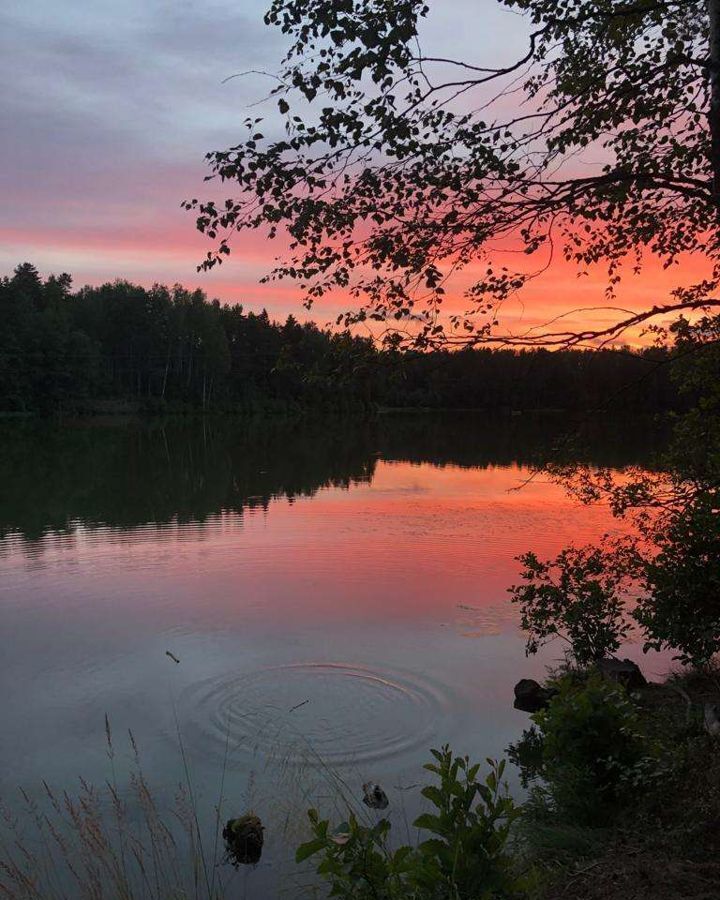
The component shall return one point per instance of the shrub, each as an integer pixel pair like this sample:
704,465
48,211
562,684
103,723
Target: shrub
594,754
579,597
680,608
464,858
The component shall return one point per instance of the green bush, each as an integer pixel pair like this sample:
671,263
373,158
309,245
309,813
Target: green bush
464,859
680,604
579,597
594,753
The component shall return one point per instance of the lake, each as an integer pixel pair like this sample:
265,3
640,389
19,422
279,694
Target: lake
335,592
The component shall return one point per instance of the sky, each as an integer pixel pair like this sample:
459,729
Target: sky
108,109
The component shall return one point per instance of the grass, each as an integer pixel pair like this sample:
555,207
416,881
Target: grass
127,843
101,843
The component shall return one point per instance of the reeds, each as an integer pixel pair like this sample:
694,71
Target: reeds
104,844
126,841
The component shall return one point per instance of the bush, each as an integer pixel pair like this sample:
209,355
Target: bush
673,574
579,597
594,753
680,607
465,857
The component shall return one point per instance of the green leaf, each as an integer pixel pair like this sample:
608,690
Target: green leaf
434,795
429,822
309,849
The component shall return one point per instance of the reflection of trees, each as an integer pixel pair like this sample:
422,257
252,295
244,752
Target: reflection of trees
123,475
472,439
126,475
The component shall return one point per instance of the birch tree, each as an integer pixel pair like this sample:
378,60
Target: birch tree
398,169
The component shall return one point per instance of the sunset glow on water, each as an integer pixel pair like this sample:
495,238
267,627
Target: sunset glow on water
359,617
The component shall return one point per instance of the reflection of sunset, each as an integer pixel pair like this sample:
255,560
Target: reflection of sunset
418,541
337,582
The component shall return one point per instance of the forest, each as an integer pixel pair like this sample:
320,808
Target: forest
121,347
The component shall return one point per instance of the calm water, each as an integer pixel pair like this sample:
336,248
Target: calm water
335,593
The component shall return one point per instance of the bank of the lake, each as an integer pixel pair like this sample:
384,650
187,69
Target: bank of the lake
662,841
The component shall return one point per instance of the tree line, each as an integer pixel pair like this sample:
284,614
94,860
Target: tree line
122,346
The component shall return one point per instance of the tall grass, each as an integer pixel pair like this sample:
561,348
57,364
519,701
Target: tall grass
102,843
121,841
111,843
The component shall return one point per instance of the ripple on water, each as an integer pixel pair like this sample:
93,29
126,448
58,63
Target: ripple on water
314,713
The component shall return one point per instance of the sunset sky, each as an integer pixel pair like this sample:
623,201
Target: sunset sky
109,108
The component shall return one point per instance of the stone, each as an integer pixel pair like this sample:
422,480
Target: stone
243,840
531,696
622,671
712,719
374,796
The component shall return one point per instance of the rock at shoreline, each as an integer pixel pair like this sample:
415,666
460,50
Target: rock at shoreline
243,840
622,671
374,796
711,716
531,696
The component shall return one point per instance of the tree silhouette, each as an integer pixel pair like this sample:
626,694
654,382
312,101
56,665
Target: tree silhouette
121,346
398,169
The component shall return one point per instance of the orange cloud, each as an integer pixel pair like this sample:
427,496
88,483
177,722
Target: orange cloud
168,250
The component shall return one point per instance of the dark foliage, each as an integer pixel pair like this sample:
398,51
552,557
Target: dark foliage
576,597
665,576
120,342
482,378
599,142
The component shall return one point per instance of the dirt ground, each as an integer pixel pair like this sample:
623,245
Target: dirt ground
642,877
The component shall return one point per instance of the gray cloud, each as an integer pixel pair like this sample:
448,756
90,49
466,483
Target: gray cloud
107,108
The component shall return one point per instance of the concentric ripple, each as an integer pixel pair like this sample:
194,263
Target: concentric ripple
314,713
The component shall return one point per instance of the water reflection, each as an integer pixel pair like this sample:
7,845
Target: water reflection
123,475
335,592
